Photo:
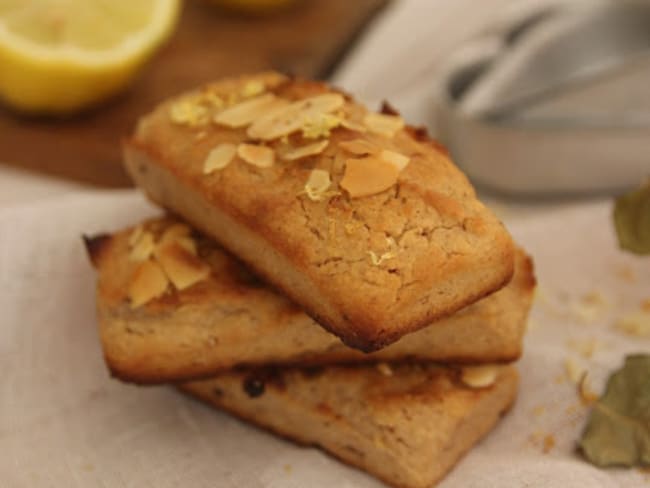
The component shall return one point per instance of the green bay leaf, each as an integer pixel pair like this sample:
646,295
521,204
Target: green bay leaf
618,430
632,220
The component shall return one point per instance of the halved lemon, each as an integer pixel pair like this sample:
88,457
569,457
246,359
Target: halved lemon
61,56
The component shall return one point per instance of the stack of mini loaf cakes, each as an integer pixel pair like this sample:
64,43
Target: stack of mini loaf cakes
324,271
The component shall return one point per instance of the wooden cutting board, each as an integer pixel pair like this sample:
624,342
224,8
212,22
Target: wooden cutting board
307,39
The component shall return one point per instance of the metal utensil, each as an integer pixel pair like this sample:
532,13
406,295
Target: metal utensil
562,106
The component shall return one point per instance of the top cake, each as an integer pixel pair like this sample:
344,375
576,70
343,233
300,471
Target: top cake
357,217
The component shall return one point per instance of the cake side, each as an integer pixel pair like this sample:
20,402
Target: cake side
408,429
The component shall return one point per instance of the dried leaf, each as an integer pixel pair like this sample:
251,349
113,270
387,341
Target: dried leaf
632,220
618,431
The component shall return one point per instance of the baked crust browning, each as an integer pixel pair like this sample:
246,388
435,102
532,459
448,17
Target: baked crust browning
408,428
231,319
441,248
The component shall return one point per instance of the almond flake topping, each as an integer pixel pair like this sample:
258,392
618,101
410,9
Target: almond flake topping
353,126
399,160
317,185
368,176
148,282
244,113
294,116
182,267
479,376
135,235
188,244
359,147
219,158
385,125
295,153
143,247
320,126
260,156
253,88
173,258
174,232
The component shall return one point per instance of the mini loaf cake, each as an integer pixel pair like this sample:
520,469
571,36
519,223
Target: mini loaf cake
361,220
173,305
405,424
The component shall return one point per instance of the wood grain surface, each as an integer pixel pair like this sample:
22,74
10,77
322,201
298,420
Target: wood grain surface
306,39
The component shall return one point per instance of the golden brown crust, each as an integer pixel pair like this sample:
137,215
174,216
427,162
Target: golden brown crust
449,250
232,319
407,429
96,246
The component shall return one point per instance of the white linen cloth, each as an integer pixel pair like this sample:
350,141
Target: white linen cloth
65,422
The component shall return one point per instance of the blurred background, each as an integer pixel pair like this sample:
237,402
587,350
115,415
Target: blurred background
536,99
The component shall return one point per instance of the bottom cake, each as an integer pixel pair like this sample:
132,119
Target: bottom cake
405,424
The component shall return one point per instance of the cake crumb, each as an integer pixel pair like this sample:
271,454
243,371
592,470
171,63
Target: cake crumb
548,443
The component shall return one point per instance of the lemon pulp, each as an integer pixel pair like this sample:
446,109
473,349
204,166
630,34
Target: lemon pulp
60,56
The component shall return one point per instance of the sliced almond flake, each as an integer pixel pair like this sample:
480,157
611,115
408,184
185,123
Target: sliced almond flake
368,176
174,232
399,160
260,156
292,117
148,282
244,113
353,126
304,151
182,267
188,244
143,248
219,158
359,147
209,97
479,376
253,88
385,125
320,126
135,235
317,184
